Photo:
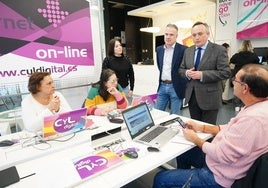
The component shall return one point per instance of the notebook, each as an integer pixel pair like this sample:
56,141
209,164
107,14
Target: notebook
142,129
148,99
65,123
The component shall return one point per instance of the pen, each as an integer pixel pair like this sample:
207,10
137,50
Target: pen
28,176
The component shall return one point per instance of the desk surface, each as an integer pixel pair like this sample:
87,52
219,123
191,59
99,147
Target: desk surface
9,155
57,169
26,148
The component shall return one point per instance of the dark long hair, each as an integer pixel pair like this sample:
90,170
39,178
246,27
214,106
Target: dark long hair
104,77
110,48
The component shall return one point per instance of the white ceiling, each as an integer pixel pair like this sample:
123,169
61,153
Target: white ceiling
166,6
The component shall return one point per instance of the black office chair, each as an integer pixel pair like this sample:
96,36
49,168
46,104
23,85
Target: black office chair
257,175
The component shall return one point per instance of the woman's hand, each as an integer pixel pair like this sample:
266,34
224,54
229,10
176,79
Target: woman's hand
130,93
54,104
112,90
105,111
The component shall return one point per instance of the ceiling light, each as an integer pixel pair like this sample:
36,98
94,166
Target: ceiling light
150,29
180,3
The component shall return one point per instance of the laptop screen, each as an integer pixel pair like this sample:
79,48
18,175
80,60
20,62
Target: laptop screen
260,59
65,123
138,119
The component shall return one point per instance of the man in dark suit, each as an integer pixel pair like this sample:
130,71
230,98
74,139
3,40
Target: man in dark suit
203,90
171,86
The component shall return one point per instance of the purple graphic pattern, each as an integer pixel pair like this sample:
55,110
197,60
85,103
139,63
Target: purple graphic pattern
53,12
59,33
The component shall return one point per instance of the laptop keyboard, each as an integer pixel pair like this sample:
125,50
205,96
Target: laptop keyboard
154,133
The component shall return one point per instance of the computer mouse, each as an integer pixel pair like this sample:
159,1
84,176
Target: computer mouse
116,120
4,143
131,154
153,149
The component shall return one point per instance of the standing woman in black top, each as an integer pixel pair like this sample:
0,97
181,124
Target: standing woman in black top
244,56
121,65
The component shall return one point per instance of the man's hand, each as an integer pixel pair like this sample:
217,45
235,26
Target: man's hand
193,74
194,125
191,135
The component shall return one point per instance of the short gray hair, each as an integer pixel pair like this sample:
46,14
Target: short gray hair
172,25
202,23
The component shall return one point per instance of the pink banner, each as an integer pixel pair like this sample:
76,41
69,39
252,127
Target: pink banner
252,19
42,35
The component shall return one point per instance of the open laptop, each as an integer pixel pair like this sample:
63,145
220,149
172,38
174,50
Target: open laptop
142,129
148,99
65,123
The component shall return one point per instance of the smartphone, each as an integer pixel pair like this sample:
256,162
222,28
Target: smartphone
168,122
116,120
182,123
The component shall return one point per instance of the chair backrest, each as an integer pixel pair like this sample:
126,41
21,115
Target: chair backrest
257,175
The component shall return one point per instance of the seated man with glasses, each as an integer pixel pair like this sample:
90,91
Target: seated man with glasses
236,145
105,95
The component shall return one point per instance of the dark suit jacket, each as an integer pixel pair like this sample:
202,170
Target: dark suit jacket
214,66
178,82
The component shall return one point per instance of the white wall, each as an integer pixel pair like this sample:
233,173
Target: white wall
146,76
205,14
146,79
209,14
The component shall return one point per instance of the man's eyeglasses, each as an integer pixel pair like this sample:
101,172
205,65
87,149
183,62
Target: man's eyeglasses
234,80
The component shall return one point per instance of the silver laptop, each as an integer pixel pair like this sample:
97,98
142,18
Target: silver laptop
142,129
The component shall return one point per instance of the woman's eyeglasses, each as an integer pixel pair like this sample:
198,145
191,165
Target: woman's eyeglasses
113,81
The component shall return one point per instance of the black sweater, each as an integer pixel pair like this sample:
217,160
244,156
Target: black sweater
242,58
123,69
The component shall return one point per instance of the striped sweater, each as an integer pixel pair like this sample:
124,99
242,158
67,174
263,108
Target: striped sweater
95,102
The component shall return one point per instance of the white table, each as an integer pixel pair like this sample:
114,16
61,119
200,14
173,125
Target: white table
9,155
57,170
26,149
